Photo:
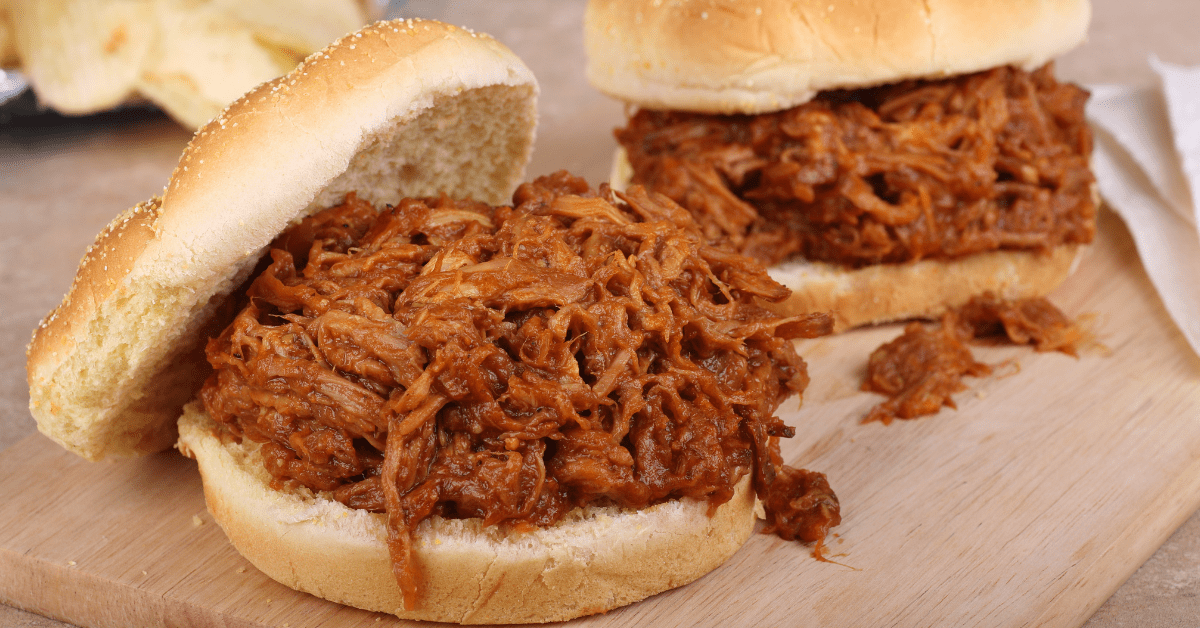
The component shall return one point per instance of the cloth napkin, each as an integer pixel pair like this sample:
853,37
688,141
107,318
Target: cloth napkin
1147,163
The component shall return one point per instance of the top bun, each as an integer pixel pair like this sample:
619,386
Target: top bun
726,56
414,108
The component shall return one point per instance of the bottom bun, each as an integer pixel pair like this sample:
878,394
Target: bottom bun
595,560
924,289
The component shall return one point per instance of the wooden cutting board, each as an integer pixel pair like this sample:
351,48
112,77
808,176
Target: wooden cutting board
1029,505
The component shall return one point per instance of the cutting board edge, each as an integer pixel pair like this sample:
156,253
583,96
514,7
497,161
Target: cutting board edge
58,591
1074,604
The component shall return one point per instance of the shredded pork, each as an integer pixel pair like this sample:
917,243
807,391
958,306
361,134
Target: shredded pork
512,363
921,369
921,169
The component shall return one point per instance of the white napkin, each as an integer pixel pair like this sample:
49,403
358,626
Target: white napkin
1147,164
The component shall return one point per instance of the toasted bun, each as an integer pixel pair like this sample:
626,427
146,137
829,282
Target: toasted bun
924,289
730,56
398,109
594,560
891,292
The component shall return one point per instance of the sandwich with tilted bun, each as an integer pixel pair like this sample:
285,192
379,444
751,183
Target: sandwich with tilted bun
410,388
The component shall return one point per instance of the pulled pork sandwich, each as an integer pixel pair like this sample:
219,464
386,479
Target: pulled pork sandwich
889,159
446,409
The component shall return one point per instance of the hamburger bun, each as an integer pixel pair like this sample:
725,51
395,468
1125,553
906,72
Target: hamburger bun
767,55
111,367
596,559
398,109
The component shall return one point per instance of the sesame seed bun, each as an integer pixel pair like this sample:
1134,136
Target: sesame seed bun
397,109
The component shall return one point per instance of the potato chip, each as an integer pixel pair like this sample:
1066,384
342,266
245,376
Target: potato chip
189,57
204,59
82,55
8,48
301,26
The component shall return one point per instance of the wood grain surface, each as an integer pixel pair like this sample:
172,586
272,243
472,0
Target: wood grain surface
60,182
1028,505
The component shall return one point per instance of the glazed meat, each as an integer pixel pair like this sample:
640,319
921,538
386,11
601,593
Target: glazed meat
449,358
1034,322
921,369
921,169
